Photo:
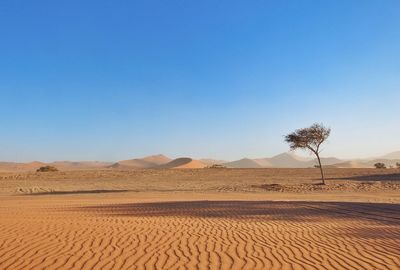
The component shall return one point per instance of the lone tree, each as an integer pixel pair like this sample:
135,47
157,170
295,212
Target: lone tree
310,139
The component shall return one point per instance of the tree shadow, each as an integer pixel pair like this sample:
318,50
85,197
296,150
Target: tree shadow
372,177
301,211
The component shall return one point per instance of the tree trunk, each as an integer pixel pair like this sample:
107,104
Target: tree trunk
322,171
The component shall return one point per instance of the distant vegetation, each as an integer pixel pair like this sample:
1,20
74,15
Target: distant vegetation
398,165
217,166
310,139
47,169
380,165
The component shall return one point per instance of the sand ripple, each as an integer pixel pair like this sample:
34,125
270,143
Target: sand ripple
198,235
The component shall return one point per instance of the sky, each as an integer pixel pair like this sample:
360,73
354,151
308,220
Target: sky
112,80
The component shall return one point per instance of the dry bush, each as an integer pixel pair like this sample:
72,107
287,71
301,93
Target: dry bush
47,169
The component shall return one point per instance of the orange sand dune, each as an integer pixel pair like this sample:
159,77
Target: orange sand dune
184,163
143,163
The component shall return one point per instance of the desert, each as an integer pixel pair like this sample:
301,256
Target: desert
200,219
194,135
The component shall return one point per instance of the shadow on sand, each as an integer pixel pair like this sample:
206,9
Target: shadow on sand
372,177
77,192
260,210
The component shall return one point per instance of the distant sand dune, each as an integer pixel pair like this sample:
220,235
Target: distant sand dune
184,163
142,163
351,164
243,163
284,160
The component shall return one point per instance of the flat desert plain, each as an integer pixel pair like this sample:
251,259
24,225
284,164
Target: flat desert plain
200,219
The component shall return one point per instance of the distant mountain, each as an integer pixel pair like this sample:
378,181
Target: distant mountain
284,160
288,160
243,163
393,155
263,162
350,164
325,161
142,163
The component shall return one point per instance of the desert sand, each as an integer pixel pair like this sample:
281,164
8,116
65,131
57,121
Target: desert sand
200,219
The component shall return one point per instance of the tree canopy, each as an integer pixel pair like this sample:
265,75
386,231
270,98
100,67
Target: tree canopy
310,139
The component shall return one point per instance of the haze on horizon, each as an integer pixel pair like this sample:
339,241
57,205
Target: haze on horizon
99,81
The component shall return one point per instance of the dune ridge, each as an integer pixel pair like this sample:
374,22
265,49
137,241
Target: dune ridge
183,163
142,163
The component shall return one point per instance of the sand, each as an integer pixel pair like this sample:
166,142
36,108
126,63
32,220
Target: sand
91,228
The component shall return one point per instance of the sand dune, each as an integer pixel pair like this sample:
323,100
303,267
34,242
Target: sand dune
284,160
184,163
157,159
288,160
351,164
393,155
142,163
243,163
263,162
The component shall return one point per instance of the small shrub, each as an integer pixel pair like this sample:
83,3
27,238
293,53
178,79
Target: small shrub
217,166
398,165
47,169
380,165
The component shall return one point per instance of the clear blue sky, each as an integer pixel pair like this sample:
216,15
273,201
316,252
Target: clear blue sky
110,80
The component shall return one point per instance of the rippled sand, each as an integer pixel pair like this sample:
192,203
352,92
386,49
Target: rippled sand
197,231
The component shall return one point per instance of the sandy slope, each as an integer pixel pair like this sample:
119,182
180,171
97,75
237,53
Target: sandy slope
142,163
189,231
184,163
